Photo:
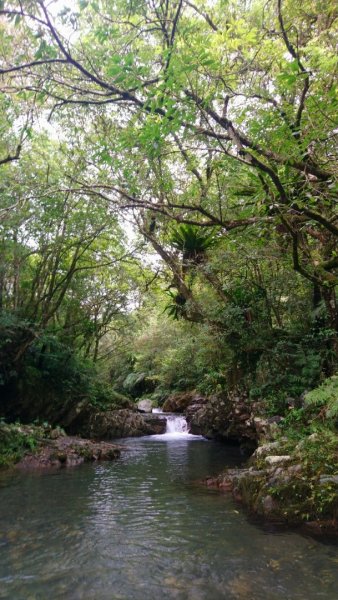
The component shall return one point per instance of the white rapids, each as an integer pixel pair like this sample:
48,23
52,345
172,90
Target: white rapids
177,428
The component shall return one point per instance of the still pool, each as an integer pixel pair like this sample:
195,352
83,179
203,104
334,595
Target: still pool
141,528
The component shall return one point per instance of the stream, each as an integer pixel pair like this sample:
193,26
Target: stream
142,528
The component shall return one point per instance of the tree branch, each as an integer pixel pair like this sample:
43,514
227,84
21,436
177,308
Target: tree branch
11,157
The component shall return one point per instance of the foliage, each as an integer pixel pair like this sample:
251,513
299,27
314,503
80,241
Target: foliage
325,397
135,383
192,241
102,396
314,495
48,379
289,367
15,442
175,309
319,452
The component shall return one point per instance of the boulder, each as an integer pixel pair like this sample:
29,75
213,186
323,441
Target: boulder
266,449
66,451
156,423
182,401
267,427
123,423
197,403
145,406
224,417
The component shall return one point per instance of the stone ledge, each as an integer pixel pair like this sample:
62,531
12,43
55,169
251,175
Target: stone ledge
67,451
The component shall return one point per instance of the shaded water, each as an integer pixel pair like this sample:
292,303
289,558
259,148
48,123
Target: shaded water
141,529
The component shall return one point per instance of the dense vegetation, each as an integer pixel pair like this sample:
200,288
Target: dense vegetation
168,204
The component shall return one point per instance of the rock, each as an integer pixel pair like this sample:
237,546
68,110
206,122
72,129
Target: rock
267,427
294,469
329,479
224,417
181,401
256,472
67,451
283,474
145,406
122,423
277,460
282,491
56,433
260,424
268,504
264,450
226,485
156,423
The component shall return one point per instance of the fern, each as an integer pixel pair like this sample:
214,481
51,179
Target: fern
193,241
325,396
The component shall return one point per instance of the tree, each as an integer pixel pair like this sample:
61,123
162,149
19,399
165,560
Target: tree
244,86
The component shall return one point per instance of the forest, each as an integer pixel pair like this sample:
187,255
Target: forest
168,216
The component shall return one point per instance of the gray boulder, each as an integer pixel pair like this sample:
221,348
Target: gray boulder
223,417
145,406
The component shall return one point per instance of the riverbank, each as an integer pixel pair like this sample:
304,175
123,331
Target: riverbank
289,481
36,447
292,474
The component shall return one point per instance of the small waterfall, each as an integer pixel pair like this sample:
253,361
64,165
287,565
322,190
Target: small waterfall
177,428
176,424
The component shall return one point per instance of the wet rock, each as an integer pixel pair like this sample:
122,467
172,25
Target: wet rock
156,423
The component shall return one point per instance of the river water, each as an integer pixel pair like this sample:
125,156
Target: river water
141,528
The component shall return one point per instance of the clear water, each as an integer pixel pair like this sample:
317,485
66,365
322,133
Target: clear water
141,529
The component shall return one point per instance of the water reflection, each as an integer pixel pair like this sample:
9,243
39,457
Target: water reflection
139,528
